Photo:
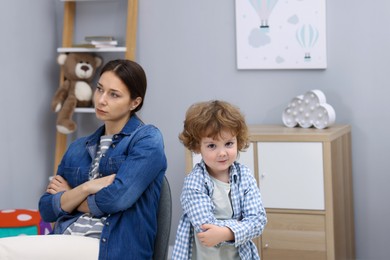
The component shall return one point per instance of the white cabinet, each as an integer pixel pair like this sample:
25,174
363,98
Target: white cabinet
291,175
305,178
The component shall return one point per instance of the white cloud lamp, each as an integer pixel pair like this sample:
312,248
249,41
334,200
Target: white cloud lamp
309,110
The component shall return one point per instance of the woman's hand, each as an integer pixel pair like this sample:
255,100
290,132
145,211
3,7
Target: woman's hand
57,184
95,185
73,198
213,235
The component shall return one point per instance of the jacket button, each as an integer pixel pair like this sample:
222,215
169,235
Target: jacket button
107,223
113,146
104,240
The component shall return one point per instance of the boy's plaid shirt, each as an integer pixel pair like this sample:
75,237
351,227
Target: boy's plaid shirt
249,217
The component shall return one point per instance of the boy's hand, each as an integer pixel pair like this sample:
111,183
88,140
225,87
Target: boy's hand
213,235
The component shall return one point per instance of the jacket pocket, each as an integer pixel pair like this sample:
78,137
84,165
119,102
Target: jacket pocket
115,163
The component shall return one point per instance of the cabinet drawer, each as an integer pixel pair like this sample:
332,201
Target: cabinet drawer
291,175
294,237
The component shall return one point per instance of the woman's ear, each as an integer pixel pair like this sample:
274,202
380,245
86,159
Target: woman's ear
135,103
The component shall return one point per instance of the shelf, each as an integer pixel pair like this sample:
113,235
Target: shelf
127,48
113,49
84,110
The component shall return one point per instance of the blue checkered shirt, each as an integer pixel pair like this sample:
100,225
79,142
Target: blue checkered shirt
249,217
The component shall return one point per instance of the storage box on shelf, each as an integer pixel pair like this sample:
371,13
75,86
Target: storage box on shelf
305,178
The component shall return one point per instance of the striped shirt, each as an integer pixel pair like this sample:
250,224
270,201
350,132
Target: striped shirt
86,224
105,142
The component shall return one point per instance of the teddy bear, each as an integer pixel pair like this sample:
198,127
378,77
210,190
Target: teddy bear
79,70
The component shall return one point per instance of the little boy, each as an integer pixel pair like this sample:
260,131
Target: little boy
222,207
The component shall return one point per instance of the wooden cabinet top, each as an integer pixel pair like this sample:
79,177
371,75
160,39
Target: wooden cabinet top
275,133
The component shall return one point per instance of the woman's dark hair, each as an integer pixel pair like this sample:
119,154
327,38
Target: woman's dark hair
131,74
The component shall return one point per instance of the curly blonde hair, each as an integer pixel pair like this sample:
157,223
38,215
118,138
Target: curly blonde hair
209,119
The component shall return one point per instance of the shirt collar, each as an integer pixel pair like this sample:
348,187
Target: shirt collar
233,171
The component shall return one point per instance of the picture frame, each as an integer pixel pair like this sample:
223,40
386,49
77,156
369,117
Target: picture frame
276,34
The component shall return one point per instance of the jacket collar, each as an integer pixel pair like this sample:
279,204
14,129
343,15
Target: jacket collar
131,125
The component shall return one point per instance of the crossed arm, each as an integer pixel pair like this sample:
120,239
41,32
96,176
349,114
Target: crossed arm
250,215
76,198
197,206
213,235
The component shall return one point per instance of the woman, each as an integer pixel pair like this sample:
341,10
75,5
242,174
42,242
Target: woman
108,184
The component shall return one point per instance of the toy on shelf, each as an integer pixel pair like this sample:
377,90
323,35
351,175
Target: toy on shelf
79,70
309,110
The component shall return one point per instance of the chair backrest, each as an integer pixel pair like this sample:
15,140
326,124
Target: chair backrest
164,219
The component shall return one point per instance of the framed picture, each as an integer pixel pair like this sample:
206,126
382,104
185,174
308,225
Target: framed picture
281,34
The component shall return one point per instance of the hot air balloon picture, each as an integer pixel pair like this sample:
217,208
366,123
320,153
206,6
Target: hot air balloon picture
263,9
307,36
281,34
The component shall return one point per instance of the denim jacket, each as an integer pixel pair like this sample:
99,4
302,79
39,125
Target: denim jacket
130,203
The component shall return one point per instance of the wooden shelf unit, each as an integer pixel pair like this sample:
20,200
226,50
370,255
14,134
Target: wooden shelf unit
67,41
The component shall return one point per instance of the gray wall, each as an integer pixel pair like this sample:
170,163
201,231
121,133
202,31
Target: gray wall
188,51
28,78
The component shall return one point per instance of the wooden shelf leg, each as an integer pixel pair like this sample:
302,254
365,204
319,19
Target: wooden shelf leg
61,144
